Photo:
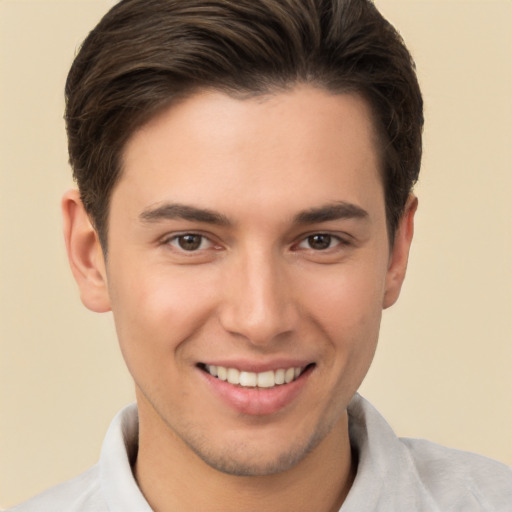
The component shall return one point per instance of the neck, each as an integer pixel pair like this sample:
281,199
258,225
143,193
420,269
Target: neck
172,477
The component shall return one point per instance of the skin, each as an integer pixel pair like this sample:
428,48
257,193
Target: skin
258,290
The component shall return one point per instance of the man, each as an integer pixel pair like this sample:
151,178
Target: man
245,210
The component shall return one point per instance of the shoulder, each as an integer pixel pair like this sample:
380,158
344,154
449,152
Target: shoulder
455,475
108,485
81,494
418,475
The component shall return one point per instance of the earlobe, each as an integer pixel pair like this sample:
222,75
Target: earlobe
400,253
85,254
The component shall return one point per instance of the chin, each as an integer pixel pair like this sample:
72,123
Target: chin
248,459
243,466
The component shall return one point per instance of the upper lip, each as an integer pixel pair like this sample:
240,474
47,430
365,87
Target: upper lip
258,366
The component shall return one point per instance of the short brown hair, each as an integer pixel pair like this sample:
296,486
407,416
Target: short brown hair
146,54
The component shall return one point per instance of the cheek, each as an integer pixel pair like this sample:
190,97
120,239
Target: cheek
348,307
347,300
157,310
353,328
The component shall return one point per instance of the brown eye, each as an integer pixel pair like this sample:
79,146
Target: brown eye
319,242
189,242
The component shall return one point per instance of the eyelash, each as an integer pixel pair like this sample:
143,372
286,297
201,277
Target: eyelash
180,237
175,240
330,238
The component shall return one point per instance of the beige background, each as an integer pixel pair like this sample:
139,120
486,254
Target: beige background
443,368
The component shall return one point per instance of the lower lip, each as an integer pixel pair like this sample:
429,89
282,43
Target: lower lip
257,401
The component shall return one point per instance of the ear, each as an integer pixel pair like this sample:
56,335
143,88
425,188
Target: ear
85,254
400,253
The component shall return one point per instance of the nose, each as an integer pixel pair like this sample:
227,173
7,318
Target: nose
258,302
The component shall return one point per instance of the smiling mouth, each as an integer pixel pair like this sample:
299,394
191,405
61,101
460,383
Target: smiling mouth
266,380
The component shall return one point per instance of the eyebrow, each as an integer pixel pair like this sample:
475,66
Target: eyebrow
170,211
334,211
325,213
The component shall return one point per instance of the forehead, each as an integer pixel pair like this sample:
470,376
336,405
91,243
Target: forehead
305,143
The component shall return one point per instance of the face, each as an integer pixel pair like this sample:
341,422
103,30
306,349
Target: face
248,265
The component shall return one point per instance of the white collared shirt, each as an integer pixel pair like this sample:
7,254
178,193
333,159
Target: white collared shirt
393,474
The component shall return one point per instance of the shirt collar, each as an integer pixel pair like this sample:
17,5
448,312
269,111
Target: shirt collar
384,468
118,453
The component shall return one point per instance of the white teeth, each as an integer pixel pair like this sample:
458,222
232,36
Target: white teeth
289,375
267,379
233,376
248,379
